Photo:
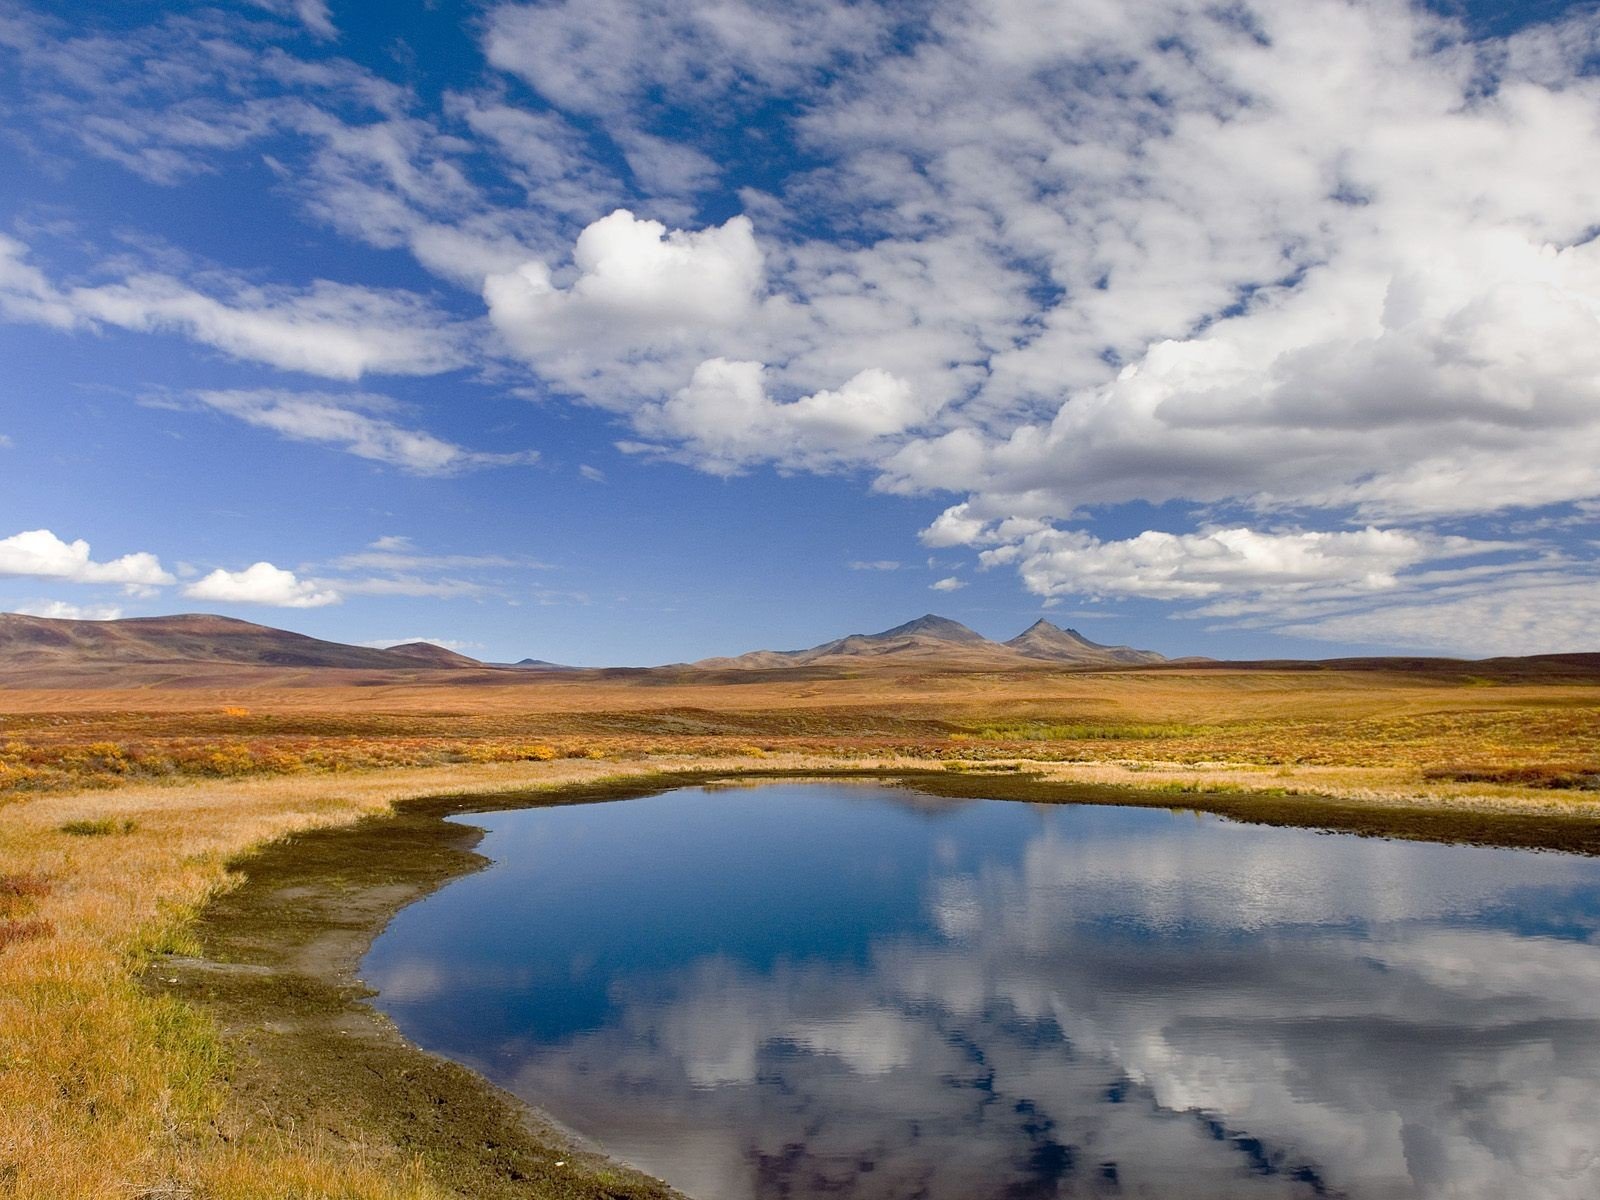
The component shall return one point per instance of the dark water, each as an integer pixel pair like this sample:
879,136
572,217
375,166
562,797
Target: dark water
834,990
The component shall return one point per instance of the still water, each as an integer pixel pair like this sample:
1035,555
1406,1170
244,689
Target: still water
861,991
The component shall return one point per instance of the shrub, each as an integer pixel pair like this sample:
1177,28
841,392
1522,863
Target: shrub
98,827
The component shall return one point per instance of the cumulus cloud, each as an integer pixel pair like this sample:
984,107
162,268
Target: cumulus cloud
725,421
261,583
634,295
40,554
356,424
948,584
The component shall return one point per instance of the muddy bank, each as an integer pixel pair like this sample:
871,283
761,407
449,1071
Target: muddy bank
309,1056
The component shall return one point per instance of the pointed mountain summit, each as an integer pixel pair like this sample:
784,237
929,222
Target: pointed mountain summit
1043,639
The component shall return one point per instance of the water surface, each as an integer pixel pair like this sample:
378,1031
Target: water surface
850,990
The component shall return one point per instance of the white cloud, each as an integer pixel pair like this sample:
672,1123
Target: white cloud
401,554
882,564
313,14
447,643
724,420
352,423
949,584
42,555
261,583
1223,561
1541,615
592,474
330,329
598,56
403,585
635,294
62,610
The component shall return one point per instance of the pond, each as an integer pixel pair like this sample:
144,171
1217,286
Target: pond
855,990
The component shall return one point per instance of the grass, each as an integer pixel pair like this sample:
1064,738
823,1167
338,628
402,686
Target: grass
121,813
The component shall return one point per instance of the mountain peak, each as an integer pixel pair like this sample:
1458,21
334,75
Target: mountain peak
1043,639
932,625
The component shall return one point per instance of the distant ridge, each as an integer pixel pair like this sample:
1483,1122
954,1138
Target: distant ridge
44,643
932,640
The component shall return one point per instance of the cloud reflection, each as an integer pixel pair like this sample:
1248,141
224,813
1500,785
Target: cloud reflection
1178,1008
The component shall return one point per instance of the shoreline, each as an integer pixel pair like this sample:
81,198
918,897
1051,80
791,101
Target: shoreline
280,954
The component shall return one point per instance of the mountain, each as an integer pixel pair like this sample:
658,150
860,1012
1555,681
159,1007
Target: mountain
936,641
1044,640
42,644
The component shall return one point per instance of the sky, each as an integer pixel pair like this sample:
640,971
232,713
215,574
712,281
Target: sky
636,331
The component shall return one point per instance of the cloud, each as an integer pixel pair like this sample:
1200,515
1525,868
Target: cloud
1223,561
313,14
395,553
42,555
351,422
724,421
1542,615
447,643
404,585
261,583
949,584
601,56
882,564
637,294
335,330
592,474
62,610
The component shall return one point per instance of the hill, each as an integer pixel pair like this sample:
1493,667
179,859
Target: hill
45,644
1044,640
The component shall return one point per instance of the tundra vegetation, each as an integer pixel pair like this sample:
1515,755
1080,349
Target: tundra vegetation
128,820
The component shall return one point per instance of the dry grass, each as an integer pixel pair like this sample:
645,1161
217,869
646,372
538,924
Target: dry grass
118,813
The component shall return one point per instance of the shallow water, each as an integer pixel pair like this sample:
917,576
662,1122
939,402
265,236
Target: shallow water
848,990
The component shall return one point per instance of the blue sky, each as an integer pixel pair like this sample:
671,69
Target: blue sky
613,332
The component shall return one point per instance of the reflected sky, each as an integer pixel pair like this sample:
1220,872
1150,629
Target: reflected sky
849,990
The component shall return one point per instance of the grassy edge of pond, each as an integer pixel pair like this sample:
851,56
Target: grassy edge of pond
262,1072
282,949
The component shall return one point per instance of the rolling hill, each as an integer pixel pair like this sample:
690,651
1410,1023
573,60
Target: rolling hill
190,639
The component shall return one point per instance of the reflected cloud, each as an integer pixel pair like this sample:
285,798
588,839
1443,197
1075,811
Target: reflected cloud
1115,1005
